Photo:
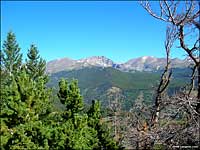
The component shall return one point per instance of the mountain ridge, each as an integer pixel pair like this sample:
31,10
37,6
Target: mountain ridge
144,63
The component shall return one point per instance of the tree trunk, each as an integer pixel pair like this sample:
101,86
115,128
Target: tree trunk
198,89
155,117
156,113
198,82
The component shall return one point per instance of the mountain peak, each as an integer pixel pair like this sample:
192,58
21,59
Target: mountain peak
144,63
147,58
101,61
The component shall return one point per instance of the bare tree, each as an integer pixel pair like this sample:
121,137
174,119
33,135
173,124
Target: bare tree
185,17
173,120
115,98
171,36
144,133
161,100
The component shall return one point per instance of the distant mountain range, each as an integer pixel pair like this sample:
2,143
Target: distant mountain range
98,75
145,63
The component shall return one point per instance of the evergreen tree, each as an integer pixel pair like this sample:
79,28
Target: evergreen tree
11,57
70,96
71,129
94,113
103,132
35,65
25,103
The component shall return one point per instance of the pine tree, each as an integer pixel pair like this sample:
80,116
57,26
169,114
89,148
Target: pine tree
71,129
11,57
70,96
35,65
25,103
103,132
94,113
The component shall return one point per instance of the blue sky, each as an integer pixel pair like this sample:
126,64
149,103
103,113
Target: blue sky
79,29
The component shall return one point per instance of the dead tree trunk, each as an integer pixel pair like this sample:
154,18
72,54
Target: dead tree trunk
198,94
165,79
198,78
171,36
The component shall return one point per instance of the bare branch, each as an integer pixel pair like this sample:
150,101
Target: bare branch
171,18
182,43
147,7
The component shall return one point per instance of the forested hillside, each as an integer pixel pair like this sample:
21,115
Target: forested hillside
95,83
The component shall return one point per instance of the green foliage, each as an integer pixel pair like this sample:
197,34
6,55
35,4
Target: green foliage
70,97
25,103
71,133
94,114
74,130
11,57
35,65
103,132
30,135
